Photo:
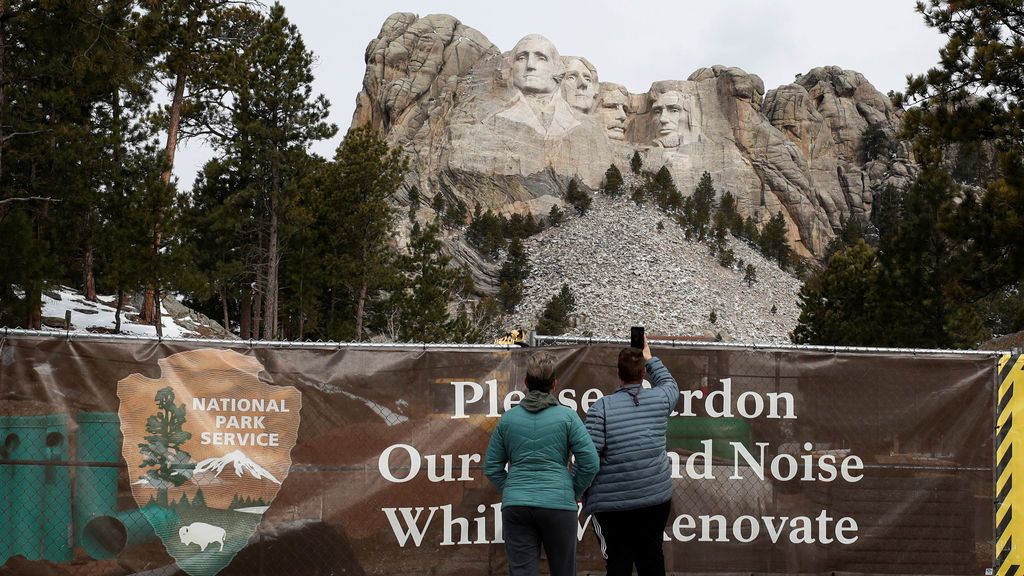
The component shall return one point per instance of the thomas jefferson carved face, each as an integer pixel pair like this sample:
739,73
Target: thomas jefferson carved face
668,110
579,85
614,108
535,65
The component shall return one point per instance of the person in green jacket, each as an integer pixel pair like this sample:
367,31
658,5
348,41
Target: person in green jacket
538,491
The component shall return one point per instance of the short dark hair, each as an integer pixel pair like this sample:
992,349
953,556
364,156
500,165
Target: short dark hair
631,365
540,372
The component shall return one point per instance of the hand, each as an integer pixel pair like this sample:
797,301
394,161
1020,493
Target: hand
647,349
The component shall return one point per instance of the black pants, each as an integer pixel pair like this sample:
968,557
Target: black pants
526,528
633,537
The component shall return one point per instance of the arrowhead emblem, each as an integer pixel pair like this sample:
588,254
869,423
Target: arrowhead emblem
208,446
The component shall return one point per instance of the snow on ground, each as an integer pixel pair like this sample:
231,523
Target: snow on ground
98,316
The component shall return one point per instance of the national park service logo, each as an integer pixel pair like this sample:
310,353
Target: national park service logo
207,445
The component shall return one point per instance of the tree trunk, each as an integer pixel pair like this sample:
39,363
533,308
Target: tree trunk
158,321
270,317
34,289
245,322
257,312
359,312
3,81
302,309
150,303
90,279
117,310
35,306
224,306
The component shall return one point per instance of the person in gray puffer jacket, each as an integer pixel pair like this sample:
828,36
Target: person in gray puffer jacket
632,493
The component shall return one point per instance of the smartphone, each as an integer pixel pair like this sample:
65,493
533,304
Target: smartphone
636,337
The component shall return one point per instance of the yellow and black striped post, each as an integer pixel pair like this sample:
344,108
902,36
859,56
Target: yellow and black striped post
1009,557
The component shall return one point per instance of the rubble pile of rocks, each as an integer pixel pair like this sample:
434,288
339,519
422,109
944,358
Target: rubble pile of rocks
624,271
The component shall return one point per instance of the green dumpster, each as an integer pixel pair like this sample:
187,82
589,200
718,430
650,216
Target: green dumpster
40,493
687,433
106,536
98,443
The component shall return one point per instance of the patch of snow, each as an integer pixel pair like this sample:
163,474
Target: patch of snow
100,316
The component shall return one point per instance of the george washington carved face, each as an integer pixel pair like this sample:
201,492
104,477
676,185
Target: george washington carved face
535,65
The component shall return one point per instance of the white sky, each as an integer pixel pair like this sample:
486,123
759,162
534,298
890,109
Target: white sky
631,43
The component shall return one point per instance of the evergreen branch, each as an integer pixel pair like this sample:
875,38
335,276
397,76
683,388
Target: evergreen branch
28,199
942,93
13,134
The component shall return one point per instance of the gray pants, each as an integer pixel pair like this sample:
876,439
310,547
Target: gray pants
526,528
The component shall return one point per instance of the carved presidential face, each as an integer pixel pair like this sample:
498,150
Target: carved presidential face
614,109
668,111
579,85
535,64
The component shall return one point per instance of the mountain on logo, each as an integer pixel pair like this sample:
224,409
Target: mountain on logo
212,467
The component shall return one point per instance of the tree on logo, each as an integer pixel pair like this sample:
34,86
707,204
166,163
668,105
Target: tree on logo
162,448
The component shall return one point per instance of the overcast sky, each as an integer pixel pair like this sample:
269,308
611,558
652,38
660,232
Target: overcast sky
631,43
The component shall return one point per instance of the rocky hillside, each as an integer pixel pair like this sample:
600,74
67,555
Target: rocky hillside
623,272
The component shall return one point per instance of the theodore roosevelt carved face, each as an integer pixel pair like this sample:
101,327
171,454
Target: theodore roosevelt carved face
535,65
614,109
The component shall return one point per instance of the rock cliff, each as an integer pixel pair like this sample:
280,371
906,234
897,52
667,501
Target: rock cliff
509,129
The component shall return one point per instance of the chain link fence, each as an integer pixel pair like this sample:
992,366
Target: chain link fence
386,475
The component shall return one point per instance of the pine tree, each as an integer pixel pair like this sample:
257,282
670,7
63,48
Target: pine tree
750,275
875,143
63,62
773,242
486,234
456,212
554,319
414,202
665,192
699,213
555,215
841,305
729,215
975,94
221,215
750,231
636,163
513,273
199,37
163,446
277,118
924,268
418,311
579,199
613,181
364,176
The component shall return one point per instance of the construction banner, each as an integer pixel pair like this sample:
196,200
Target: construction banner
126,456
